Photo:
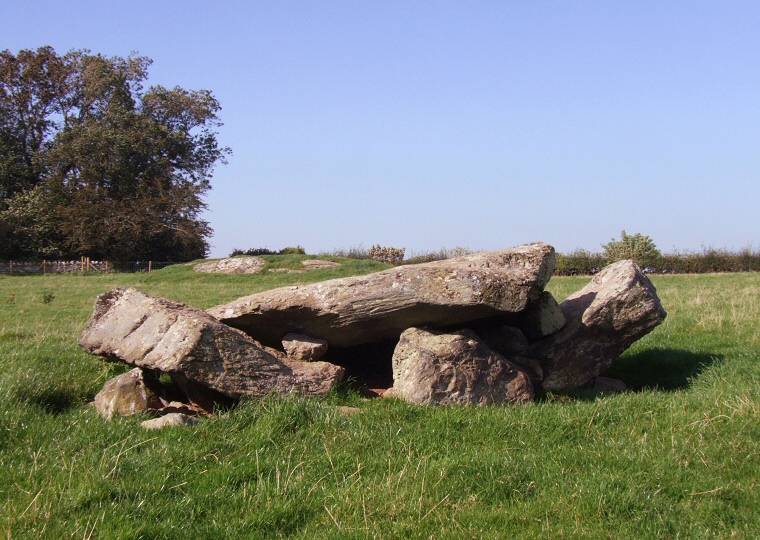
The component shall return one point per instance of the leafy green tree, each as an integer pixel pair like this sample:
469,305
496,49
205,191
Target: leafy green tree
33,225
32,89
120,172
638,247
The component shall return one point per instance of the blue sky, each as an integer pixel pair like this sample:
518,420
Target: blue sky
440,124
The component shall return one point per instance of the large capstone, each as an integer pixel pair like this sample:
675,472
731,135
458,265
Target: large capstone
380,306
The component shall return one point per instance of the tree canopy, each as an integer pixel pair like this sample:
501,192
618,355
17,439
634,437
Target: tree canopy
93,164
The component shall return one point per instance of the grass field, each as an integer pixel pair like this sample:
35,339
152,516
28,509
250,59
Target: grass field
678,456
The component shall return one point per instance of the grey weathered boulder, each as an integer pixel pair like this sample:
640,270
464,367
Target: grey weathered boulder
458,368
304,348
161,335
619,306
379,306
232,265
134,392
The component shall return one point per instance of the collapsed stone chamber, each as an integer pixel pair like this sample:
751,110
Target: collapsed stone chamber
477,330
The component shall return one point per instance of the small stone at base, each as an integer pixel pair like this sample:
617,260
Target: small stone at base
169,420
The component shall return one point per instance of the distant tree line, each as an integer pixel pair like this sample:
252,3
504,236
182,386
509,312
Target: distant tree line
637,247
93,164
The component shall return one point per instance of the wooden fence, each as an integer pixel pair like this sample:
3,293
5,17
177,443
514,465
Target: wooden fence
84,264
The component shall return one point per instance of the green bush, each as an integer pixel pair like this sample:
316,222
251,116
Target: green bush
638,247
298,250
710,260
358,252
252,252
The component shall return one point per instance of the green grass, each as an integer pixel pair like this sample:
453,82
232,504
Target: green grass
676,457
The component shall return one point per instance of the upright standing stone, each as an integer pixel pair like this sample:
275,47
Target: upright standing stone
458,368
618,307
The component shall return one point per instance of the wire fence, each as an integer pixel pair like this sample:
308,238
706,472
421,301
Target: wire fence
85,264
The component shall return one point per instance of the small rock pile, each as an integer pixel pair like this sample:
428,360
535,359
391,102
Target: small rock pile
388,254
479,330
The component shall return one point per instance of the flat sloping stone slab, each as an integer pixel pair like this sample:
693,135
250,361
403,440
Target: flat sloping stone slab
318,264
158,334
233,265
376,307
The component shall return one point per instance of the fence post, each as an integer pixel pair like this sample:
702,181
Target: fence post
150,266
106,267
82,261
44,267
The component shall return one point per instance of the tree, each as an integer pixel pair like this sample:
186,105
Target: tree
33,225
641,249
122,171
32,88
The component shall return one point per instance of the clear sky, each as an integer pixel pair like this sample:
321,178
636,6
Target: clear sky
482,124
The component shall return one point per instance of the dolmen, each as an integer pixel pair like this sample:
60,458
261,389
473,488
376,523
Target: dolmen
475,330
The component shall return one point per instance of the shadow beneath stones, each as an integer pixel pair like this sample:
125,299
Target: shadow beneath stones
664,370
52,401
368,367
661,369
